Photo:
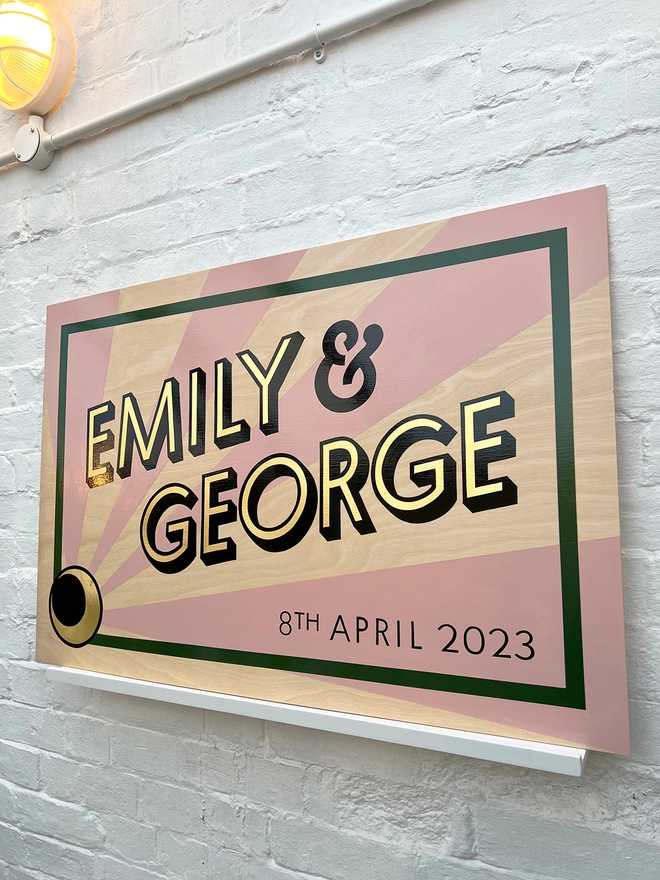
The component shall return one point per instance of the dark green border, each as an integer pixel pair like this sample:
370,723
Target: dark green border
555,241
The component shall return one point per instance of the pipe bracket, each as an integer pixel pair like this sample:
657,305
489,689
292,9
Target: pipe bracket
33,145
320,53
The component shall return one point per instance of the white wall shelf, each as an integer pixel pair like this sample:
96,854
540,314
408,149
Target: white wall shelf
519,753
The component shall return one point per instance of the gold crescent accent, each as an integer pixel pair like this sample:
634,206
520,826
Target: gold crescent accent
82,632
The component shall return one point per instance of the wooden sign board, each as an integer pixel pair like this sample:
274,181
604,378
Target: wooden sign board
377,477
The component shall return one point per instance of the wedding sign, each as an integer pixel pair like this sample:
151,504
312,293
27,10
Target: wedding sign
376,477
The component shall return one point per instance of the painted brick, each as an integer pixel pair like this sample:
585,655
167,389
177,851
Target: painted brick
5,680
167,806
572,851
49,211
226,820
319,786
7,396
256,832
274,784
17,638
643,660
450,109
45,815
55,859
644,721
228,865
235,730
19,428
29,685
28,726
19,765
131,841
12,548
26,468
20,507
107,868
182,857
149,714
220,769
18,874
155,754
17,592
270,870
642,579
306,848
64,779
7,476
349,753
12,845
394,812
71,698
434,867
7,801
28,384
85,738
12,220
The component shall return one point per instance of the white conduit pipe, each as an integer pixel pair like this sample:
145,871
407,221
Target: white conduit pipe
314,39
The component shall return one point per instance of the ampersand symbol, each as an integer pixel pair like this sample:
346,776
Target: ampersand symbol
373,336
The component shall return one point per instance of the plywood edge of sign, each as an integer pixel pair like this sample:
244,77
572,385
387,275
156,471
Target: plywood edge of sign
46,515
594,425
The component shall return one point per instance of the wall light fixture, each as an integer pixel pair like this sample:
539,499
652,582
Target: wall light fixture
36,57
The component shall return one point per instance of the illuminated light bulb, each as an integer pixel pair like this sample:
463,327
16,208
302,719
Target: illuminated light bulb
36,56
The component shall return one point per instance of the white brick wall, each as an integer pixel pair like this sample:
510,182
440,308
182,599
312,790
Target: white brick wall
467,104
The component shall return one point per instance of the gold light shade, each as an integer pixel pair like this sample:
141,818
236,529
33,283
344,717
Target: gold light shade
36,56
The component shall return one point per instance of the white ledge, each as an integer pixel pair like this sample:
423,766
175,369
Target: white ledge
504,750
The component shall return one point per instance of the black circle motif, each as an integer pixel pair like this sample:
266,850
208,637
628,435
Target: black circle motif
68,599
75,606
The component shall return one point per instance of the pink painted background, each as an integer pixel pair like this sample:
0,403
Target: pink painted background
448,317
514,591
